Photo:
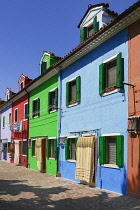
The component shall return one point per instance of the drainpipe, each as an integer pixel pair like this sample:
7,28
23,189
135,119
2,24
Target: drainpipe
27,128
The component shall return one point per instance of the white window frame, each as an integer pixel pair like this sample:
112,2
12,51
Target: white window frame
24,111
53,90
22,82
3,122
15,115
39,110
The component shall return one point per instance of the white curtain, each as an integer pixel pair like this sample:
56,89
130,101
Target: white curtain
16,155
85,159
38,152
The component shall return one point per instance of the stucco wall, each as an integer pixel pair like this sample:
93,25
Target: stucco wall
108,113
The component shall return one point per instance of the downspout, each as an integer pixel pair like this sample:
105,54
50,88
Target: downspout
27,128
59,118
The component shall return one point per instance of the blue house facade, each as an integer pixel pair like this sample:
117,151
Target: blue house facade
93,103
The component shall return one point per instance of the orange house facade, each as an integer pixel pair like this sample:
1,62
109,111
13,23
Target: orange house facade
133,176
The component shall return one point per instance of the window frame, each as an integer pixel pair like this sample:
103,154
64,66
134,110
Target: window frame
68,148
3,122
22,82
103,150
10,118
45,63
55,105
70,102
37,114
103,88
15,120
49,147
26,104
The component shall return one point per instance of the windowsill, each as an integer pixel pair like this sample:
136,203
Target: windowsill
34,156
35,117
72,161
51,158
53,111
24,155
70,105
111,166
111,92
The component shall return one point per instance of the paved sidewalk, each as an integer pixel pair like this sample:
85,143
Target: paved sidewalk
22,188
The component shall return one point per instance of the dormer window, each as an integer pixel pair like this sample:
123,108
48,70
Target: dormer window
21,85
90,30
43,66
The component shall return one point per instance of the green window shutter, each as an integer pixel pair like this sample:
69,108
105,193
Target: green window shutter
67,151
43,67
4,122
49,102
119,69
48,148
95,25
38,106
83,34
55,149
78,89
102,78
102,149
56,99
119,150
67,93
76,139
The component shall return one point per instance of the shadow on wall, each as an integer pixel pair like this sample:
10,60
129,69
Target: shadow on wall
19,195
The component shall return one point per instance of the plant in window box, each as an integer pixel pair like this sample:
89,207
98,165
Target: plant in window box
72,102
11,155
110,89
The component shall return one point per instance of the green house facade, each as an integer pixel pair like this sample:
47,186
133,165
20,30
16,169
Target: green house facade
43,122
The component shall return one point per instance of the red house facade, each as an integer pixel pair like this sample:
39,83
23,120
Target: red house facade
19,126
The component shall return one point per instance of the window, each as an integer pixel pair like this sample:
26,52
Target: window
70,146
10,119
21,85
3,122
52,148
111,150
73,91
16,115
33,147
53,100
24,148
26,111
43,67
85,32
36,108
111,74
134,126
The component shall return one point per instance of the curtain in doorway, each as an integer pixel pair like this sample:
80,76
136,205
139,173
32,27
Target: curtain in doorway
38,153
85,158
16,155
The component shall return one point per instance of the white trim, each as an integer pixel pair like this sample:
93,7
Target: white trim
33,139
111,134
24,140
110,166
24,111
24,155
35,99
17,140
53,89
89,134
71,137
111,92
55,110
70,160
15,115
111,58
51,137
74,78
51,158
73,104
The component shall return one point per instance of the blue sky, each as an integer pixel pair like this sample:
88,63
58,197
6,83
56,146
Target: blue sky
27,27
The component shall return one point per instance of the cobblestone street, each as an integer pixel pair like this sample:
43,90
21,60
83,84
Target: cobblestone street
22,188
